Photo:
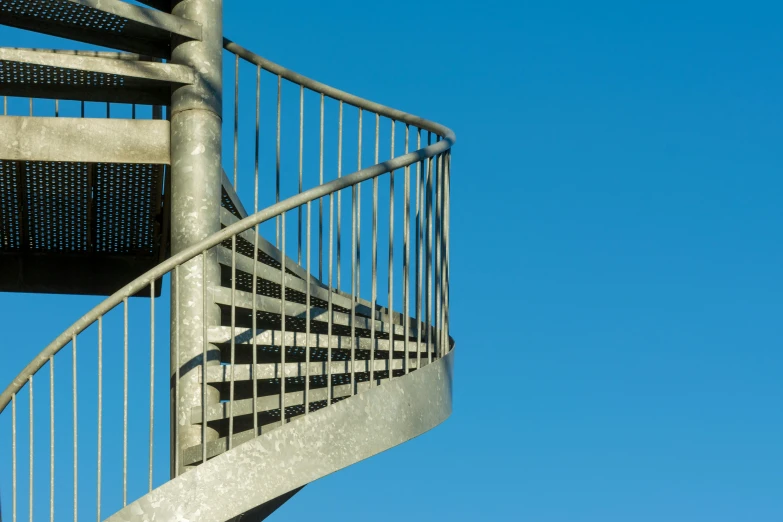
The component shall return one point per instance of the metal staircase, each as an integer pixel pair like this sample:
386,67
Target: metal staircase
283,367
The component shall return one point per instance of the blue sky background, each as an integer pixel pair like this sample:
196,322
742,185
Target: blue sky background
617,252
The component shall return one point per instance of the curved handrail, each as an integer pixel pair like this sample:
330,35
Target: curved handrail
270,212
321,88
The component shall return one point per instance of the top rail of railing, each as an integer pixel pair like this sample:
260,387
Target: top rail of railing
350,99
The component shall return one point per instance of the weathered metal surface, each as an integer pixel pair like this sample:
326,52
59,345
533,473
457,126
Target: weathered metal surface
306,450
86,140
109,23
196,193
57,75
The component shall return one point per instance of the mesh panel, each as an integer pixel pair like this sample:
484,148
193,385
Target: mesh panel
25,73
125,199
64,12
56,205
10,238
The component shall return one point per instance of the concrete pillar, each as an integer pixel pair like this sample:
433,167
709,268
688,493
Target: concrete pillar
196,112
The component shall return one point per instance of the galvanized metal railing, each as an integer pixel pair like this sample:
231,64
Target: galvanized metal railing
426,172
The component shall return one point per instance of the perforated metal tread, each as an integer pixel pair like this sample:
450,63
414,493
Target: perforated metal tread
78,228
44,74
109,23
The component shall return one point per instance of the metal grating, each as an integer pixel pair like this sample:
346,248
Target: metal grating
64,12
26,73
126,201
10,218
57,202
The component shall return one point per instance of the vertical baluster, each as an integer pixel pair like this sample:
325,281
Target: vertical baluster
13,457
320,200
307,319
419,172
51,439
204,349
391,261
152,377
438,238
359,219
125,404
339,194
5,105
282,324
75,438
31,106
100,418
329,306
56,108
277,168
301,156
353,289
407,256
175,430
447,223
255,262
236,119
428,247
30,383
233,340
374,284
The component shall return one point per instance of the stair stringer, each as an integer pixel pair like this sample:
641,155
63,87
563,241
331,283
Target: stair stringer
303,451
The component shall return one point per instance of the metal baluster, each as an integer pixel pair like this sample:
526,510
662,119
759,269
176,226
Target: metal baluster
100,417
406,260
329,307
359,220
30,381
320,200
419,208
428,227
125,404
75,439
339,193
438,288
447,223
152,375
236,118
391,261
5,105
13,457
255,255
51,438
282,325
31,106
353,289
301,149
307,319
233,340
204,358
374,284
175,426
277,170
56,108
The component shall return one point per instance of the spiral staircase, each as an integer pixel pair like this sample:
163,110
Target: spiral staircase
283,367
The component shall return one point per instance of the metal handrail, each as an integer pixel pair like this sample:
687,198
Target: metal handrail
143,281
350,99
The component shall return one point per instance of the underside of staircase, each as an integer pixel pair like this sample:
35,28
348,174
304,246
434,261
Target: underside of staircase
285,366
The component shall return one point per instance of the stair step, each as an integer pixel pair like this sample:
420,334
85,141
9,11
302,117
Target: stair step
298,312
221,374
46,74
221,335
108,23
271,403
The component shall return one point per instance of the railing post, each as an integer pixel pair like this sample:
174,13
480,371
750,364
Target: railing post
196,121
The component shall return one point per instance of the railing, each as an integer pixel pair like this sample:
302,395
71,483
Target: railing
426,174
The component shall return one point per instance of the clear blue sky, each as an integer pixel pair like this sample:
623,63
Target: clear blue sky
617,251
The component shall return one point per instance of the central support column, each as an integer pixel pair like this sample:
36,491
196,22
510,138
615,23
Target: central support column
196,112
